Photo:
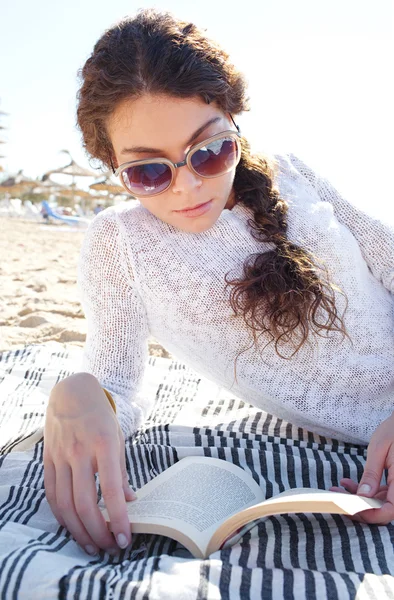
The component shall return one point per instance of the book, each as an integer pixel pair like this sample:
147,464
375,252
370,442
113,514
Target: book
203,502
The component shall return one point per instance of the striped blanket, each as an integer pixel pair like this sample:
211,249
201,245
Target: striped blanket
302,556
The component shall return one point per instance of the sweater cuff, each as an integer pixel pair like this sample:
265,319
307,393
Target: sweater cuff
130,415
110,399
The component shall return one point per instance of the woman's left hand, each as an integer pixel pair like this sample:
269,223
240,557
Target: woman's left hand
380,456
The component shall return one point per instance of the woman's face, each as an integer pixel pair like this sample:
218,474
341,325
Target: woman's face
165,124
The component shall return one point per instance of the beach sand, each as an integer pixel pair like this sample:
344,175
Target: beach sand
39,299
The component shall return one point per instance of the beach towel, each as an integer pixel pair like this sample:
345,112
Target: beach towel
298,556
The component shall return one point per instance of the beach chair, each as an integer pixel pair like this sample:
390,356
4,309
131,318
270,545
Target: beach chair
75,221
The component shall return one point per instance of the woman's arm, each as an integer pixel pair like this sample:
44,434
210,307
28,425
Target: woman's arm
116,345
375,238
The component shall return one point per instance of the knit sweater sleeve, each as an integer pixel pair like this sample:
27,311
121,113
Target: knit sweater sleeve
116,345
375,238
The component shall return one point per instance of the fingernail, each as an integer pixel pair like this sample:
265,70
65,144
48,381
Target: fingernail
91,550
122,540
364,489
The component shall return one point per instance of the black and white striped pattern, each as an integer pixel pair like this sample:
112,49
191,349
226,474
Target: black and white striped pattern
301,556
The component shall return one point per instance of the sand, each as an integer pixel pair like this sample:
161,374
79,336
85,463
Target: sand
39,299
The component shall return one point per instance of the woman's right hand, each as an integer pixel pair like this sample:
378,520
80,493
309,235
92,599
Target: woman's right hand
82,436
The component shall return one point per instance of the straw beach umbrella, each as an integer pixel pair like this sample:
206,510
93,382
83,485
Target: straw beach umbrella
17,184
73,170
75,193
106,185
48,187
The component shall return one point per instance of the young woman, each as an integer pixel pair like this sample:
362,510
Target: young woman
251,269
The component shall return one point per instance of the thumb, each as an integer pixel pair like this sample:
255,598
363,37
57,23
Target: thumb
376,457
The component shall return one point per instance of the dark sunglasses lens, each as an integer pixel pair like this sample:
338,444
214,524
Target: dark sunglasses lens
215,158
147,179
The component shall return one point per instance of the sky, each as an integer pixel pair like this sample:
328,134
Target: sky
319,75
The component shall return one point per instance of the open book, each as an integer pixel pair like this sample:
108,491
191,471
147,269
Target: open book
201,502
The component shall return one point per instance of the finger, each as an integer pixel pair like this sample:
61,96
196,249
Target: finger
378,516
382,494
340,490
376,457
347,489
385,514
65,503
352,486
50,489
108,461
128,491
85,500
349,485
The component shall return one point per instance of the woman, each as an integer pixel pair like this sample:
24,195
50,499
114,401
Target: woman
251,269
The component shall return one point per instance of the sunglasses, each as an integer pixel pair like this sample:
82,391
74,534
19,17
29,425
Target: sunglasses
213,157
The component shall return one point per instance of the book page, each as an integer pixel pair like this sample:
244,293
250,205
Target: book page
194,495
349,503
295,500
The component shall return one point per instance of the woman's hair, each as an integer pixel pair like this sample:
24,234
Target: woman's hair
284,294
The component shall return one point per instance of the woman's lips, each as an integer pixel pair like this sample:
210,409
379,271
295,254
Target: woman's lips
197,211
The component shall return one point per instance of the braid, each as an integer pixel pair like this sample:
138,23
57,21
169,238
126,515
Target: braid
284,294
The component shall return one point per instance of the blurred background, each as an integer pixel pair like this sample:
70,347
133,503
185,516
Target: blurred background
319,73
320,84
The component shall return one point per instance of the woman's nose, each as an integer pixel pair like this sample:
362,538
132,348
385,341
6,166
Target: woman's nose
185,180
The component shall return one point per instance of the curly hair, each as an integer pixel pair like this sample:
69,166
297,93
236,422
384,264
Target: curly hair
284,294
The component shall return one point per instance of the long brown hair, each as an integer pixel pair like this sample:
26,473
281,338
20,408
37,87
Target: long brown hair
284,293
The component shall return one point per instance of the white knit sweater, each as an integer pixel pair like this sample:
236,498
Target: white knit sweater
139,276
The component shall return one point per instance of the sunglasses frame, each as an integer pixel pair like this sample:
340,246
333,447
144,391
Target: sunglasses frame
236,135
